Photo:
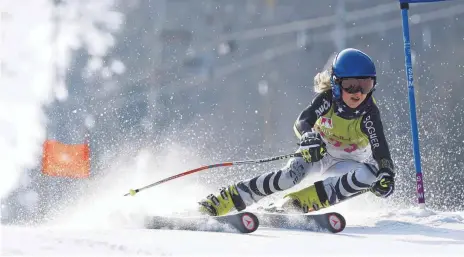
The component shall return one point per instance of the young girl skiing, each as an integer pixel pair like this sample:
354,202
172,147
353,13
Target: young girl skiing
338,132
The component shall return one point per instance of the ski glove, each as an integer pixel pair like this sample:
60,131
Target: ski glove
385,183
312,148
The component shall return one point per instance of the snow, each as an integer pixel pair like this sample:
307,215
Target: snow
105,223
35,54
439,234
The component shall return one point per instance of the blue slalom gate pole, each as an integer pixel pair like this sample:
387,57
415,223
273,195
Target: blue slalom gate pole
404,4
412,105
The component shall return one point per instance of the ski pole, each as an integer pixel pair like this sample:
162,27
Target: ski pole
132,192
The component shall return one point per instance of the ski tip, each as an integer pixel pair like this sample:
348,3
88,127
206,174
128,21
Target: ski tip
336,222
249,221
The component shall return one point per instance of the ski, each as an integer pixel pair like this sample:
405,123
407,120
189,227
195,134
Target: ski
326,222
244,222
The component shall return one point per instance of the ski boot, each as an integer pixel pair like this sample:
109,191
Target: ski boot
228,199
309,199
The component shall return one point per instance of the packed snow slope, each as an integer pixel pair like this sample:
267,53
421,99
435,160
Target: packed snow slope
406,234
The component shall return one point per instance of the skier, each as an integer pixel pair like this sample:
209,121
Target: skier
338,132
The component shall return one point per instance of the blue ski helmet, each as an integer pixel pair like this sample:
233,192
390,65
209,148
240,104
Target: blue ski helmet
351,63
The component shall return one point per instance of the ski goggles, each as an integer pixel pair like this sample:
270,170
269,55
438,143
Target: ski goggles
355,85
